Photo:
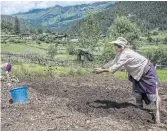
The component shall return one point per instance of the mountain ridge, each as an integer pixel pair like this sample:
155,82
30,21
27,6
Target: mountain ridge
58,18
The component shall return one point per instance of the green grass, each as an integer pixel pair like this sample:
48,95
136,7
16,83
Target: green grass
65,57
33,70
35,48
25,70
21,48
162,75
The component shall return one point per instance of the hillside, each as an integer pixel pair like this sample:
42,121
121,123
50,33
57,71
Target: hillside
8,22
59,18
148,15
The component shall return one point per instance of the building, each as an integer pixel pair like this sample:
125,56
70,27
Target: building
25,36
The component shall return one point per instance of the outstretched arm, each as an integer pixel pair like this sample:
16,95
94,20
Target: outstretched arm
116,65
100,70
109,64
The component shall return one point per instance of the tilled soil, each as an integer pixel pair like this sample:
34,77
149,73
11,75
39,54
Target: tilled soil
94,103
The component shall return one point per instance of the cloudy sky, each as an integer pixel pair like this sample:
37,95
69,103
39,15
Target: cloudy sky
12,7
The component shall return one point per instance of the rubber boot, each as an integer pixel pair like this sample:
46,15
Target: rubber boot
139,101
145,98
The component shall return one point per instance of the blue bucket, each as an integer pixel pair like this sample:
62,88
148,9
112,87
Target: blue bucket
19,94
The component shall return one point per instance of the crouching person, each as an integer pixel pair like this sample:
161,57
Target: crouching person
5,71
141,71
6,67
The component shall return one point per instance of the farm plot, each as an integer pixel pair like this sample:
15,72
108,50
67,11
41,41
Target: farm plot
94,103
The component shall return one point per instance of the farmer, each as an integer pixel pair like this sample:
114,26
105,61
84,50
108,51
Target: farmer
141,71
6,67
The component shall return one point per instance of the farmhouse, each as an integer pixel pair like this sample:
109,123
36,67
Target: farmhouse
25,36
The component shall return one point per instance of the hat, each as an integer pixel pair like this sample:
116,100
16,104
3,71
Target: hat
121,42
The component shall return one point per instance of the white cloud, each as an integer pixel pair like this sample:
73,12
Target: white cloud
13,7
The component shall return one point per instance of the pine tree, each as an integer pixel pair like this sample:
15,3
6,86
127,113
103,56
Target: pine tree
17,26
40,31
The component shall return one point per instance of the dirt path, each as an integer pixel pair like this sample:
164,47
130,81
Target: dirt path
78,104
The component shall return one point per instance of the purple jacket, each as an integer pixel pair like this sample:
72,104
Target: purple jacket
8,67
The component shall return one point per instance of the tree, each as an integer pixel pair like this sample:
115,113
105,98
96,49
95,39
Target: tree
38,42
17,26
48,31
52,50
40,31
108,52
6,26
89,32
150,39
123,27
165,40
41,37
71,49
155,32
32,31
157,55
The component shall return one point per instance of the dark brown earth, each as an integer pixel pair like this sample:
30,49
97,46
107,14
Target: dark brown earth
95,103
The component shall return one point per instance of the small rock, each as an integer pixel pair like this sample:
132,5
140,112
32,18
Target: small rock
32,118
87,121
9,84
165,121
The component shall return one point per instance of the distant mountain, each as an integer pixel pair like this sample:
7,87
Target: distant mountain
148,15
8,23
58,18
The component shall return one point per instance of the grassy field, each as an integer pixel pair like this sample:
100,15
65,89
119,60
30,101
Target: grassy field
39,49
162,75
21,48
28,70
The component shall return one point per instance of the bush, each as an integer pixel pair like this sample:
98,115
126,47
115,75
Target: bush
11,40
81,72
71,72
108,53
47,40
71,49
150,39
41,38
20,41
4,41
34,37
74,71
52,50
38,42
124,27
155,33
165,40
157,55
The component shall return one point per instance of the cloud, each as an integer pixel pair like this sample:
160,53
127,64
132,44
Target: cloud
13,7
